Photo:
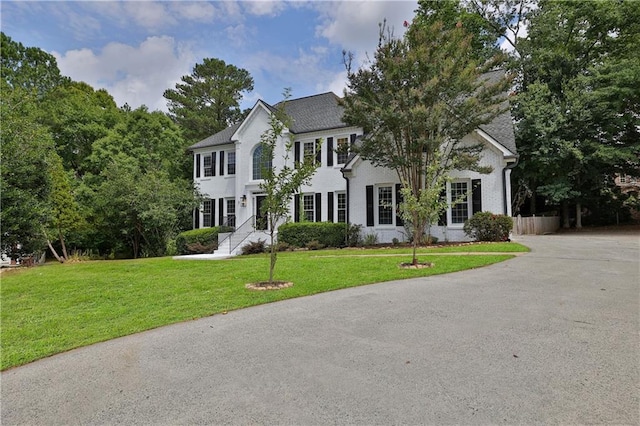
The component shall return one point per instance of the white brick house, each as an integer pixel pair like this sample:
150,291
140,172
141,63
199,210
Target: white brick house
344,188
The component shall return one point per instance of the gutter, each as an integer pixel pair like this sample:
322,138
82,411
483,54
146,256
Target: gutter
509,166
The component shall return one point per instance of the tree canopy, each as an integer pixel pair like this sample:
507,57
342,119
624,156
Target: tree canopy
208,100
417,100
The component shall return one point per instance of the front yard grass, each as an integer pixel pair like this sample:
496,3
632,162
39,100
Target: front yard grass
55,308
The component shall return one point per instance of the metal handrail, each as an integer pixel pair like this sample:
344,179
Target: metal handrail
250,220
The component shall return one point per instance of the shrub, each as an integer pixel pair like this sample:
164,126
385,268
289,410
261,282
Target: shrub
486,226
300,234
254,247
199,241
354,239
282,246
314,245
370,239
395,241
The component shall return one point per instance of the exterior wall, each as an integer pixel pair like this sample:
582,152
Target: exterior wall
492,195
327,181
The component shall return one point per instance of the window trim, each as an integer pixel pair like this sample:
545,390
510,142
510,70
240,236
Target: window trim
450,201
259,147
377,205
206,214
231,154
337,149
312,196
206,168
338,209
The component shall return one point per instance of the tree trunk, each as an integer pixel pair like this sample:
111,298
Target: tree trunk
272,251
578,215
53,251
565,214
64,247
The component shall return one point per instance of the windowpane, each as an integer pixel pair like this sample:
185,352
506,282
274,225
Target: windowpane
231,212
308,207
208,169
231,163
343,150
261,162
342,207
385,205
206,213
459,204
309,150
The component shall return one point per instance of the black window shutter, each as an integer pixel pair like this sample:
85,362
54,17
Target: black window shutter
318,207
329,151
352,139
213,163
399,221
369,192
220,210
476,196
330,207
196,218
442,220
221,164
197,165
318,152
296,207
296,150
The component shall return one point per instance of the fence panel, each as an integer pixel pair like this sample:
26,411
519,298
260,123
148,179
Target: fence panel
535,225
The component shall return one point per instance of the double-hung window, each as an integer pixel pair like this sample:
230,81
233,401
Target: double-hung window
231,212
343,150
206,214
459,202
231,163
342,207
385,205
309,151
308,207
208,165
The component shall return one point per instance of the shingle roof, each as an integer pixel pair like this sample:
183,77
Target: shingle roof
313,113
501,129
308,114
220,138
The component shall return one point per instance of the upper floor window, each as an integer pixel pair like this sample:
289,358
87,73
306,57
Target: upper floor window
343,150
231,163
208,165
261,162
309,151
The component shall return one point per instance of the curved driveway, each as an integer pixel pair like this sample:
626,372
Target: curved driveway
548,337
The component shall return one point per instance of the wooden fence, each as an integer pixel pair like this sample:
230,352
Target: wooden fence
535,225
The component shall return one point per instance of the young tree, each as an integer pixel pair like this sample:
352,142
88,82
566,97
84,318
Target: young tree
279,185
207,101
421,95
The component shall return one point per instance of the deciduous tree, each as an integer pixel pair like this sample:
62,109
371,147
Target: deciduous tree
416,101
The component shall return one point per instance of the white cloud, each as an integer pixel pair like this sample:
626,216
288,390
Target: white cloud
264,7
335,85
353,25
133,74
195,11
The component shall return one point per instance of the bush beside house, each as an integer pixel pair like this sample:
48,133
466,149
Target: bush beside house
198,241
486,226
327,234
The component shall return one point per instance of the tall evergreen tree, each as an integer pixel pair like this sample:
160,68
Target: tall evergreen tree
208,100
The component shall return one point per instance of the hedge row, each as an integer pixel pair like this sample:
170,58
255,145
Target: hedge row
300,234
199,241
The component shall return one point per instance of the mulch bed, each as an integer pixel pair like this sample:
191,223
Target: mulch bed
266,285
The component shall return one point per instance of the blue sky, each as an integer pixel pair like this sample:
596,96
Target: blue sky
138,49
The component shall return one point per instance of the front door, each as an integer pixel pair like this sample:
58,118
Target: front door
261,218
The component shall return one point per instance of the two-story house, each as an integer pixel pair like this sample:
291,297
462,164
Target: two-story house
227,169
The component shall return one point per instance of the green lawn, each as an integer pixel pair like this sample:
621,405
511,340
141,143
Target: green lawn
54,308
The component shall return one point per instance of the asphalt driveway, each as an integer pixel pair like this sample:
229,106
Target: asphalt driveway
548,337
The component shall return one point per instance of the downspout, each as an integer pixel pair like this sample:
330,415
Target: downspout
346,231
509,166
